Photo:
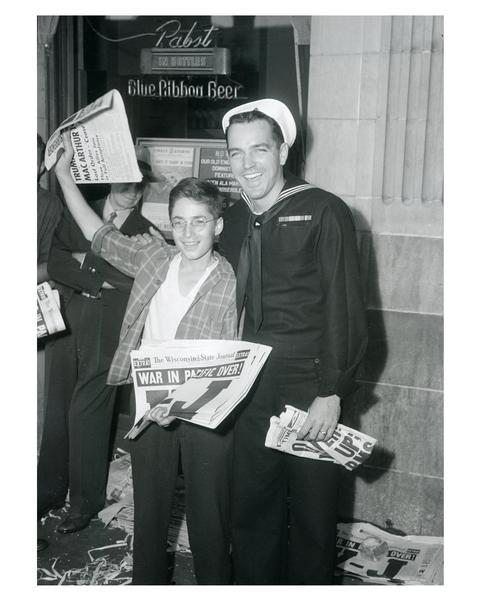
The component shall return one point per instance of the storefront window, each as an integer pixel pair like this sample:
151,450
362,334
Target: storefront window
260,56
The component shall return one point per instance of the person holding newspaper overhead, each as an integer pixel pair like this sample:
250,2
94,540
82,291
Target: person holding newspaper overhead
74,452
186,291
294,251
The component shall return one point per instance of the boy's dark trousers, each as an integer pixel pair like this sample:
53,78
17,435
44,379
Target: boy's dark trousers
207,470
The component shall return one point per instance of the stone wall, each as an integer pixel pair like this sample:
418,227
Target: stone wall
375,138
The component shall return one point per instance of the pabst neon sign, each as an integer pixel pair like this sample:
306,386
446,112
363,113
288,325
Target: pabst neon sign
170,35
184,52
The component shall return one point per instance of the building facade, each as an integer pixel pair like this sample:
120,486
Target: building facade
367,95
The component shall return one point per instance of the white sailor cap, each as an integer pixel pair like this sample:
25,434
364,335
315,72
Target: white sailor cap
274,109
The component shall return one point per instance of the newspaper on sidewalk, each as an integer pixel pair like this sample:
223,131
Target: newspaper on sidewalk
346,447
102,143
377,556
200,381
49,317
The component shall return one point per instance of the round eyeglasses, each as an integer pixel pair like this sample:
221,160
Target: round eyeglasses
197,223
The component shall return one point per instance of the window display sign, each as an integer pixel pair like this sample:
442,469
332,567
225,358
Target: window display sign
209,61
171,35
174,159
165,87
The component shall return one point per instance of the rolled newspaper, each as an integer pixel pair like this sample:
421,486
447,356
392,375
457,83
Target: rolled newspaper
49,317
347,447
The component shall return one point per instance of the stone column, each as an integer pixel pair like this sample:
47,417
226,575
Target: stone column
375,138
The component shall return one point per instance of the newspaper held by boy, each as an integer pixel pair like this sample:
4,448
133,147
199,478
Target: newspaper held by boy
200,381
102,143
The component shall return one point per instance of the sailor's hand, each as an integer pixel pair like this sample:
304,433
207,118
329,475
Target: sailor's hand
144,239
155,233
322,419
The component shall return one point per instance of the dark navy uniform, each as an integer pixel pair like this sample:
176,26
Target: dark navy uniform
284,507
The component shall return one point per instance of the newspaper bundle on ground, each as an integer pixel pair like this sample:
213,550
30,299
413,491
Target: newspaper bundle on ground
49,318
377,556
102,143
200,381
346,447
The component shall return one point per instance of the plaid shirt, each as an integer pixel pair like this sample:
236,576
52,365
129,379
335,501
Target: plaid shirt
212,314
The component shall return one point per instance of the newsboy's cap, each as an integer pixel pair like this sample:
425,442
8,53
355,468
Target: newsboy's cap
272,108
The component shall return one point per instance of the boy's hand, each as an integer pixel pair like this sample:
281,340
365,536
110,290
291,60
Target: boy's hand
62,166
157,414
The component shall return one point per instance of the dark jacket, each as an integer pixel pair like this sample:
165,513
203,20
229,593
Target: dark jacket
88,277
312,295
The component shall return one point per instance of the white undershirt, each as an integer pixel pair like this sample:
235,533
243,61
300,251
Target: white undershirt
168,305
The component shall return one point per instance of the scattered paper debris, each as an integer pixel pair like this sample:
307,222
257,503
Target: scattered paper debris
103,570
105,548
365,551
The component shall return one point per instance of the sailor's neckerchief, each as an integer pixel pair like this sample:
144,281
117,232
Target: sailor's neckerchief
285,193
250,258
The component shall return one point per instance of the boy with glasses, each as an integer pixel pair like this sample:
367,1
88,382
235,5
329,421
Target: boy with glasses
182,292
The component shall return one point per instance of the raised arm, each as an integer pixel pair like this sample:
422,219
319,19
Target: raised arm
86,218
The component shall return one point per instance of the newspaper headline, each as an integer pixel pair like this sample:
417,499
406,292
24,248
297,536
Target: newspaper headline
102,143
378,556
200,381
